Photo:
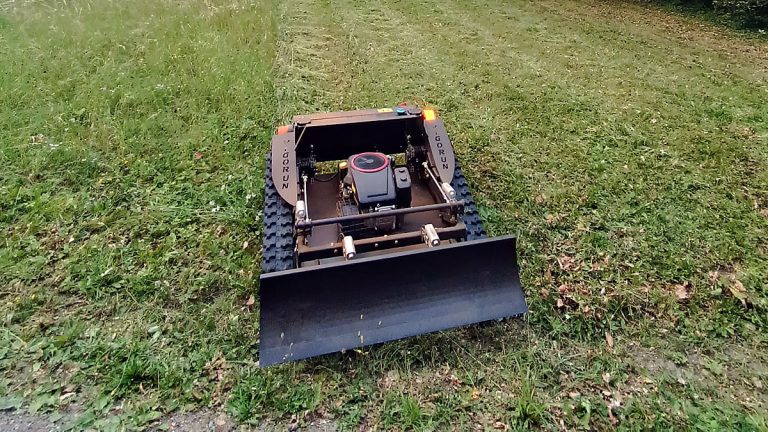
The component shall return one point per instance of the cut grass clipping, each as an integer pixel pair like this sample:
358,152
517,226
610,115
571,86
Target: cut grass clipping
626,147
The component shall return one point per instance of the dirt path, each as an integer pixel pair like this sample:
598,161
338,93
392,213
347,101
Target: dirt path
15,421
196,421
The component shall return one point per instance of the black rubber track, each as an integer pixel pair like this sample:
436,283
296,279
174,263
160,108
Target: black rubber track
471,218
277,239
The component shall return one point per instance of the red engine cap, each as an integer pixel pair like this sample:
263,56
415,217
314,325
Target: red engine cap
369,162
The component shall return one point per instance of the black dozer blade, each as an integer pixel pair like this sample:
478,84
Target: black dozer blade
328,308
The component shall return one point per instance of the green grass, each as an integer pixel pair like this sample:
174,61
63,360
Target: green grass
628,148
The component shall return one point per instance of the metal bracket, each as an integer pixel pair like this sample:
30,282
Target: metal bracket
429,234
348,245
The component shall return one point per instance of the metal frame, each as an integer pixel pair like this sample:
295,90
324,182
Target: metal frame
453,206
336,136
379,243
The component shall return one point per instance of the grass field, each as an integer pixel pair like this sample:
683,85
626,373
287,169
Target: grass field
628,149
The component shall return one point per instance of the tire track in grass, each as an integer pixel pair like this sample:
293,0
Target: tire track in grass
459,65
312,68
535,116
404,61
328,50
633,174
361,54
644,86
462,66
490,47
397,60
621,59
745,54
633,78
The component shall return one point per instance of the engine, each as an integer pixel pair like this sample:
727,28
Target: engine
371,183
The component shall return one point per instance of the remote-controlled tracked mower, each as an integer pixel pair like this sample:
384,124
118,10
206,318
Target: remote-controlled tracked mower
371,234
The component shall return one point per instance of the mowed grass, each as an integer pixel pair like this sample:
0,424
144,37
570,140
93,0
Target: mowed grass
626,148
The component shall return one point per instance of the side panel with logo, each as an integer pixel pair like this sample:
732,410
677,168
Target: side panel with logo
440,149
284,169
